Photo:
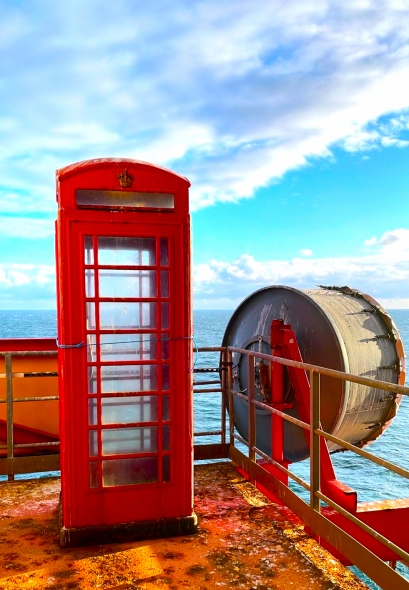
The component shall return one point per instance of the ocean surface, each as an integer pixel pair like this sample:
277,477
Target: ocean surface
371,482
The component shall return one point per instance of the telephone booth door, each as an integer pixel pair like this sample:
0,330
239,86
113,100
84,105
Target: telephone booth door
125,354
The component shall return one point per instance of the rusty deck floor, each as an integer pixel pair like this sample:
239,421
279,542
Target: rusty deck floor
244,541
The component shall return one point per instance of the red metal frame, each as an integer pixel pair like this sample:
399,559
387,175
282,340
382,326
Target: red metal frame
389,518
284,341
85,501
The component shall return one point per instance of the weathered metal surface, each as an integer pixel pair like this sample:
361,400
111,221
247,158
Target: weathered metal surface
29,464
211,451
340,542
243,542
338,329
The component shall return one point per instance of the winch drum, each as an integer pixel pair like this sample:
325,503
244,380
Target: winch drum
336,328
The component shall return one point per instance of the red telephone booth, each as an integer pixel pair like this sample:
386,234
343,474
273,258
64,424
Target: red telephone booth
125,351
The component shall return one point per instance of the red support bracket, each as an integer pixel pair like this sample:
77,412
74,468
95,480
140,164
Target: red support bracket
284,344
390,518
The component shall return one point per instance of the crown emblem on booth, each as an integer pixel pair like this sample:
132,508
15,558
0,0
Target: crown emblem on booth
125,179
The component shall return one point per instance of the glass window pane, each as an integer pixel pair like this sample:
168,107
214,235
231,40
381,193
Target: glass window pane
120,441
90,307
92,380
123,472
92,411
89,282
165,377
128,347
129,378
164,252
89,250
91,348
165,316
166,468
127,283
164,283
125,410
120,251
93,443
121,199
166,437
165,408
127,315
165,346
93,474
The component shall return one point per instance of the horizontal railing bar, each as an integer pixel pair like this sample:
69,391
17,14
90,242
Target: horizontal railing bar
290,474
209,433
209,349
211,382
238,394
382,462
213,390
346,445
30,445
374,534
241,439
30,374
40,444
279,413
32,399
383,385
271,410
30,353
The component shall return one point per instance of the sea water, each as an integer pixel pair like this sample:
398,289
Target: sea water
370,481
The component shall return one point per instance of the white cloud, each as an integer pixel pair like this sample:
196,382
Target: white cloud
306,252
17,278
22,274
232,95
222,284
381,274
27,284
395,241
394,302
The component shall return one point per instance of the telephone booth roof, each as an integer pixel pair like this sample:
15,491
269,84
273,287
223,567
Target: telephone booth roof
98,163
104,174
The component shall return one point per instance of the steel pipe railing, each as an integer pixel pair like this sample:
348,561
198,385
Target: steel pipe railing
10,400
315,372
228,393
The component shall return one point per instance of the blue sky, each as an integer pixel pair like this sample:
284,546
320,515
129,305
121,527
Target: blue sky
291,120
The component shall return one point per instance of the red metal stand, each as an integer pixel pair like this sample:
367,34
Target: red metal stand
284,341
390,518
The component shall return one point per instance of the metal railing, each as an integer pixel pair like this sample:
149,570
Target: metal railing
218,450
11,465
310,513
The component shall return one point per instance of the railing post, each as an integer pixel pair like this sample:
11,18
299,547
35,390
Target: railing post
9,405
314,440
277,399
224,396
251,408
230,387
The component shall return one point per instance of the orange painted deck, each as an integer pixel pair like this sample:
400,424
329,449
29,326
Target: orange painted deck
244,541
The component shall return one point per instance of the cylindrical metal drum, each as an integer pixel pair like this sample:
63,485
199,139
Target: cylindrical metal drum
336,328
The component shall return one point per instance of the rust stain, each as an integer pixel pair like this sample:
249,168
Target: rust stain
244,541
